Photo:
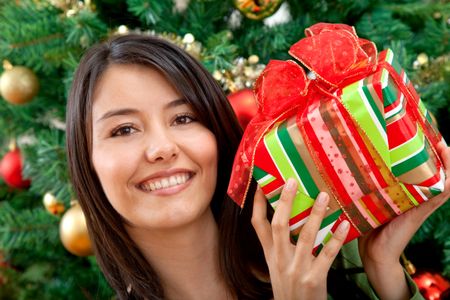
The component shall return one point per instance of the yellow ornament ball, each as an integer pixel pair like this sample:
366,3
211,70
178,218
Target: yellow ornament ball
53,204
19,85
73,232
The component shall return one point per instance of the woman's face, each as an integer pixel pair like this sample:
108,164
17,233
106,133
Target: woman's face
157,164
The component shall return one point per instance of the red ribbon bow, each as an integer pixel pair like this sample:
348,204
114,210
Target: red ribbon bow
335,56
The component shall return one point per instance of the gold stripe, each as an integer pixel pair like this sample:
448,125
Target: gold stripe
420,173
302,149
397,116
399,197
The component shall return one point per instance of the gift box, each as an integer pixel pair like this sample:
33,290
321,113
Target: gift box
353,127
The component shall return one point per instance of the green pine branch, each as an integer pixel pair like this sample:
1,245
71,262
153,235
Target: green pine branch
28,229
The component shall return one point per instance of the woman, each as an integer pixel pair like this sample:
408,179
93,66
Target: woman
151,140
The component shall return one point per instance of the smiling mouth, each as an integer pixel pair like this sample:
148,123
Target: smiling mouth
165,182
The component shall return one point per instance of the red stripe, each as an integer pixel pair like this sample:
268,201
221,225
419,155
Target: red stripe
401,131
432,180
413,92
300,216
394,105
330,176
375,79
364,151
265,163
376,209
353,232
414,193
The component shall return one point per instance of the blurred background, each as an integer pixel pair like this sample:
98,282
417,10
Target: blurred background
44,248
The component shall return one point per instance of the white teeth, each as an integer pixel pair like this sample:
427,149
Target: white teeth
166,182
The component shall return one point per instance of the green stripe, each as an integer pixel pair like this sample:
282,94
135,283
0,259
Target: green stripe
319,248
283,164
389,56
424,111
390,93
410,196
397,67
352,100
279,158
259,173
327,238
408,148
301,203
374,107
331,218
275,198
428,117
297,161
411,163
435,191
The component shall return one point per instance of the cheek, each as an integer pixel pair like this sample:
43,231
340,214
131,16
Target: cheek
208,157
110,170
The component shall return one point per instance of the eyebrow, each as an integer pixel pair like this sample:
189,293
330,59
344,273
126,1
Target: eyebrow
130,111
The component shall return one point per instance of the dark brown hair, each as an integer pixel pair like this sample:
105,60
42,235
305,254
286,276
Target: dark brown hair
118,256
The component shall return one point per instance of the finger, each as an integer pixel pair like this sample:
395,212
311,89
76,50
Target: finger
308,233
323,261
260,222
280,220
444,153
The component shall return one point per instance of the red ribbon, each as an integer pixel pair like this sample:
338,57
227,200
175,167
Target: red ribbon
335,56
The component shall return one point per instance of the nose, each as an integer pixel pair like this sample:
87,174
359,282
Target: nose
161,148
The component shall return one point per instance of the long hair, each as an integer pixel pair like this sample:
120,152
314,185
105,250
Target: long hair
119,258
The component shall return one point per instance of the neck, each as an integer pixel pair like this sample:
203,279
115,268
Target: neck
186,259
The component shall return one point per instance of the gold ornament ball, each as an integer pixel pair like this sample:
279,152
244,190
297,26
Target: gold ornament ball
73,232
257,9
19,85
53,205
422,59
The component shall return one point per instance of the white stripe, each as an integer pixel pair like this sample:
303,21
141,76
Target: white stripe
397,109
440,184
408,157
321,235
275,203
417,133
298,224
274,192
287,158
420,193
265,178
371,112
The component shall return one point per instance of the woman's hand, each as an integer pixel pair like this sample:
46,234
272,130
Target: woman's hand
381,248
294,272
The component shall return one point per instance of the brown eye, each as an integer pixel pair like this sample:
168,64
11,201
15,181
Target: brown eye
123,131
183,119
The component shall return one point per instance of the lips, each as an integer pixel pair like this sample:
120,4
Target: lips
165,180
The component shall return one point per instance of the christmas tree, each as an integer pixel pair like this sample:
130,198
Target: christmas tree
43,247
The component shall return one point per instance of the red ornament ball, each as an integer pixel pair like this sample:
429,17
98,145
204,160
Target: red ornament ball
11,170
432,285
244,105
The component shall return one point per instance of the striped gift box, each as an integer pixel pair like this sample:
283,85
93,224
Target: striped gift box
366,148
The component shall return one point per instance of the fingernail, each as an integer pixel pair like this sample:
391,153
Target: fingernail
322,198
343,227
290,184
